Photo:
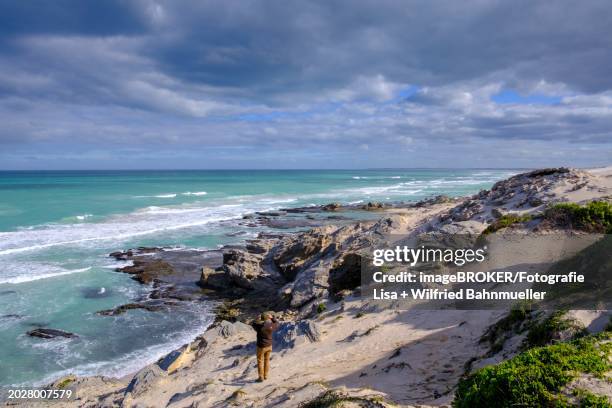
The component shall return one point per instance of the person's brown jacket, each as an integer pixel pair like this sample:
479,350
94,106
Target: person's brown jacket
264,330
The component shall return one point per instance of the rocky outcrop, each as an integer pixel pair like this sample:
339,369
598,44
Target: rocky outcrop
149,377
532,189
50,333
150,306
172,274
439,199
148,271
174,360
332,207
347,274
523,193
242,268
227,329
290,334
373,206
290,254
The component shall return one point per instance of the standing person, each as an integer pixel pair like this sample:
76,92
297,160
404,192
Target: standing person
265,327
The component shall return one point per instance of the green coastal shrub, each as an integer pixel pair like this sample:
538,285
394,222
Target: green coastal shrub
321,308
505,221
589,400
514,322
541,334
595,216
535,377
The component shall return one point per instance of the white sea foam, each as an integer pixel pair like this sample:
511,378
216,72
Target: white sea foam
165,196
29,278
155,220
118,264
399,189
195,193
116,229
131,362
83,217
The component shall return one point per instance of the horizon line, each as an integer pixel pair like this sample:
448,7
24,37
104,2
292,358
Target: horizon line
288,169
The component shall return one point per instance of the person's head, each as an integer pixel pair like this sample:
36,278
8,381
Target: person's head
266,316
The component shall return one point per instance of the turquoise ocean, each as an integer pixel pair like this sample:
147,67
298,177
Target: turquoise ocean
57,229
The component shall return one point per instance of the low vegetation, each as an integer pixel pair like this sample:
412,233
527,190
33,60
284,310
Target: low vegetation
589,400
515,322
65,382
505,221
336,399
536,377
543,333
595,216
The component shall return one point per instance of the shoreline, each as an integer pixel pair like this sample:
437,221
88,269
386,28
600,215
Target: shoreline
237,281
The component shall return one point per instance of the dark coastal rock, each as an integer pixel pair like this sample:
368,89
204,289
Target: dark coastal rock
148,271
287,223
331,207
439,199
130,253
121,255
272,213
497,213
373,206
214,279
148,306
296,210
50,333
347,274
336,217
169,293
547,172
181,268
11,317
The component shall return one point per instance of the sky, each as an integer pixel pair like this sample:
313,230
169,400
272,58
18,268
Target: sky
246,84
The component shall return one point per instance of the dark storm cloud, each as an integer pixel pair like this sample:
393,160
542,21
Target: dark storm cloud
84,17
365,75
308,46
